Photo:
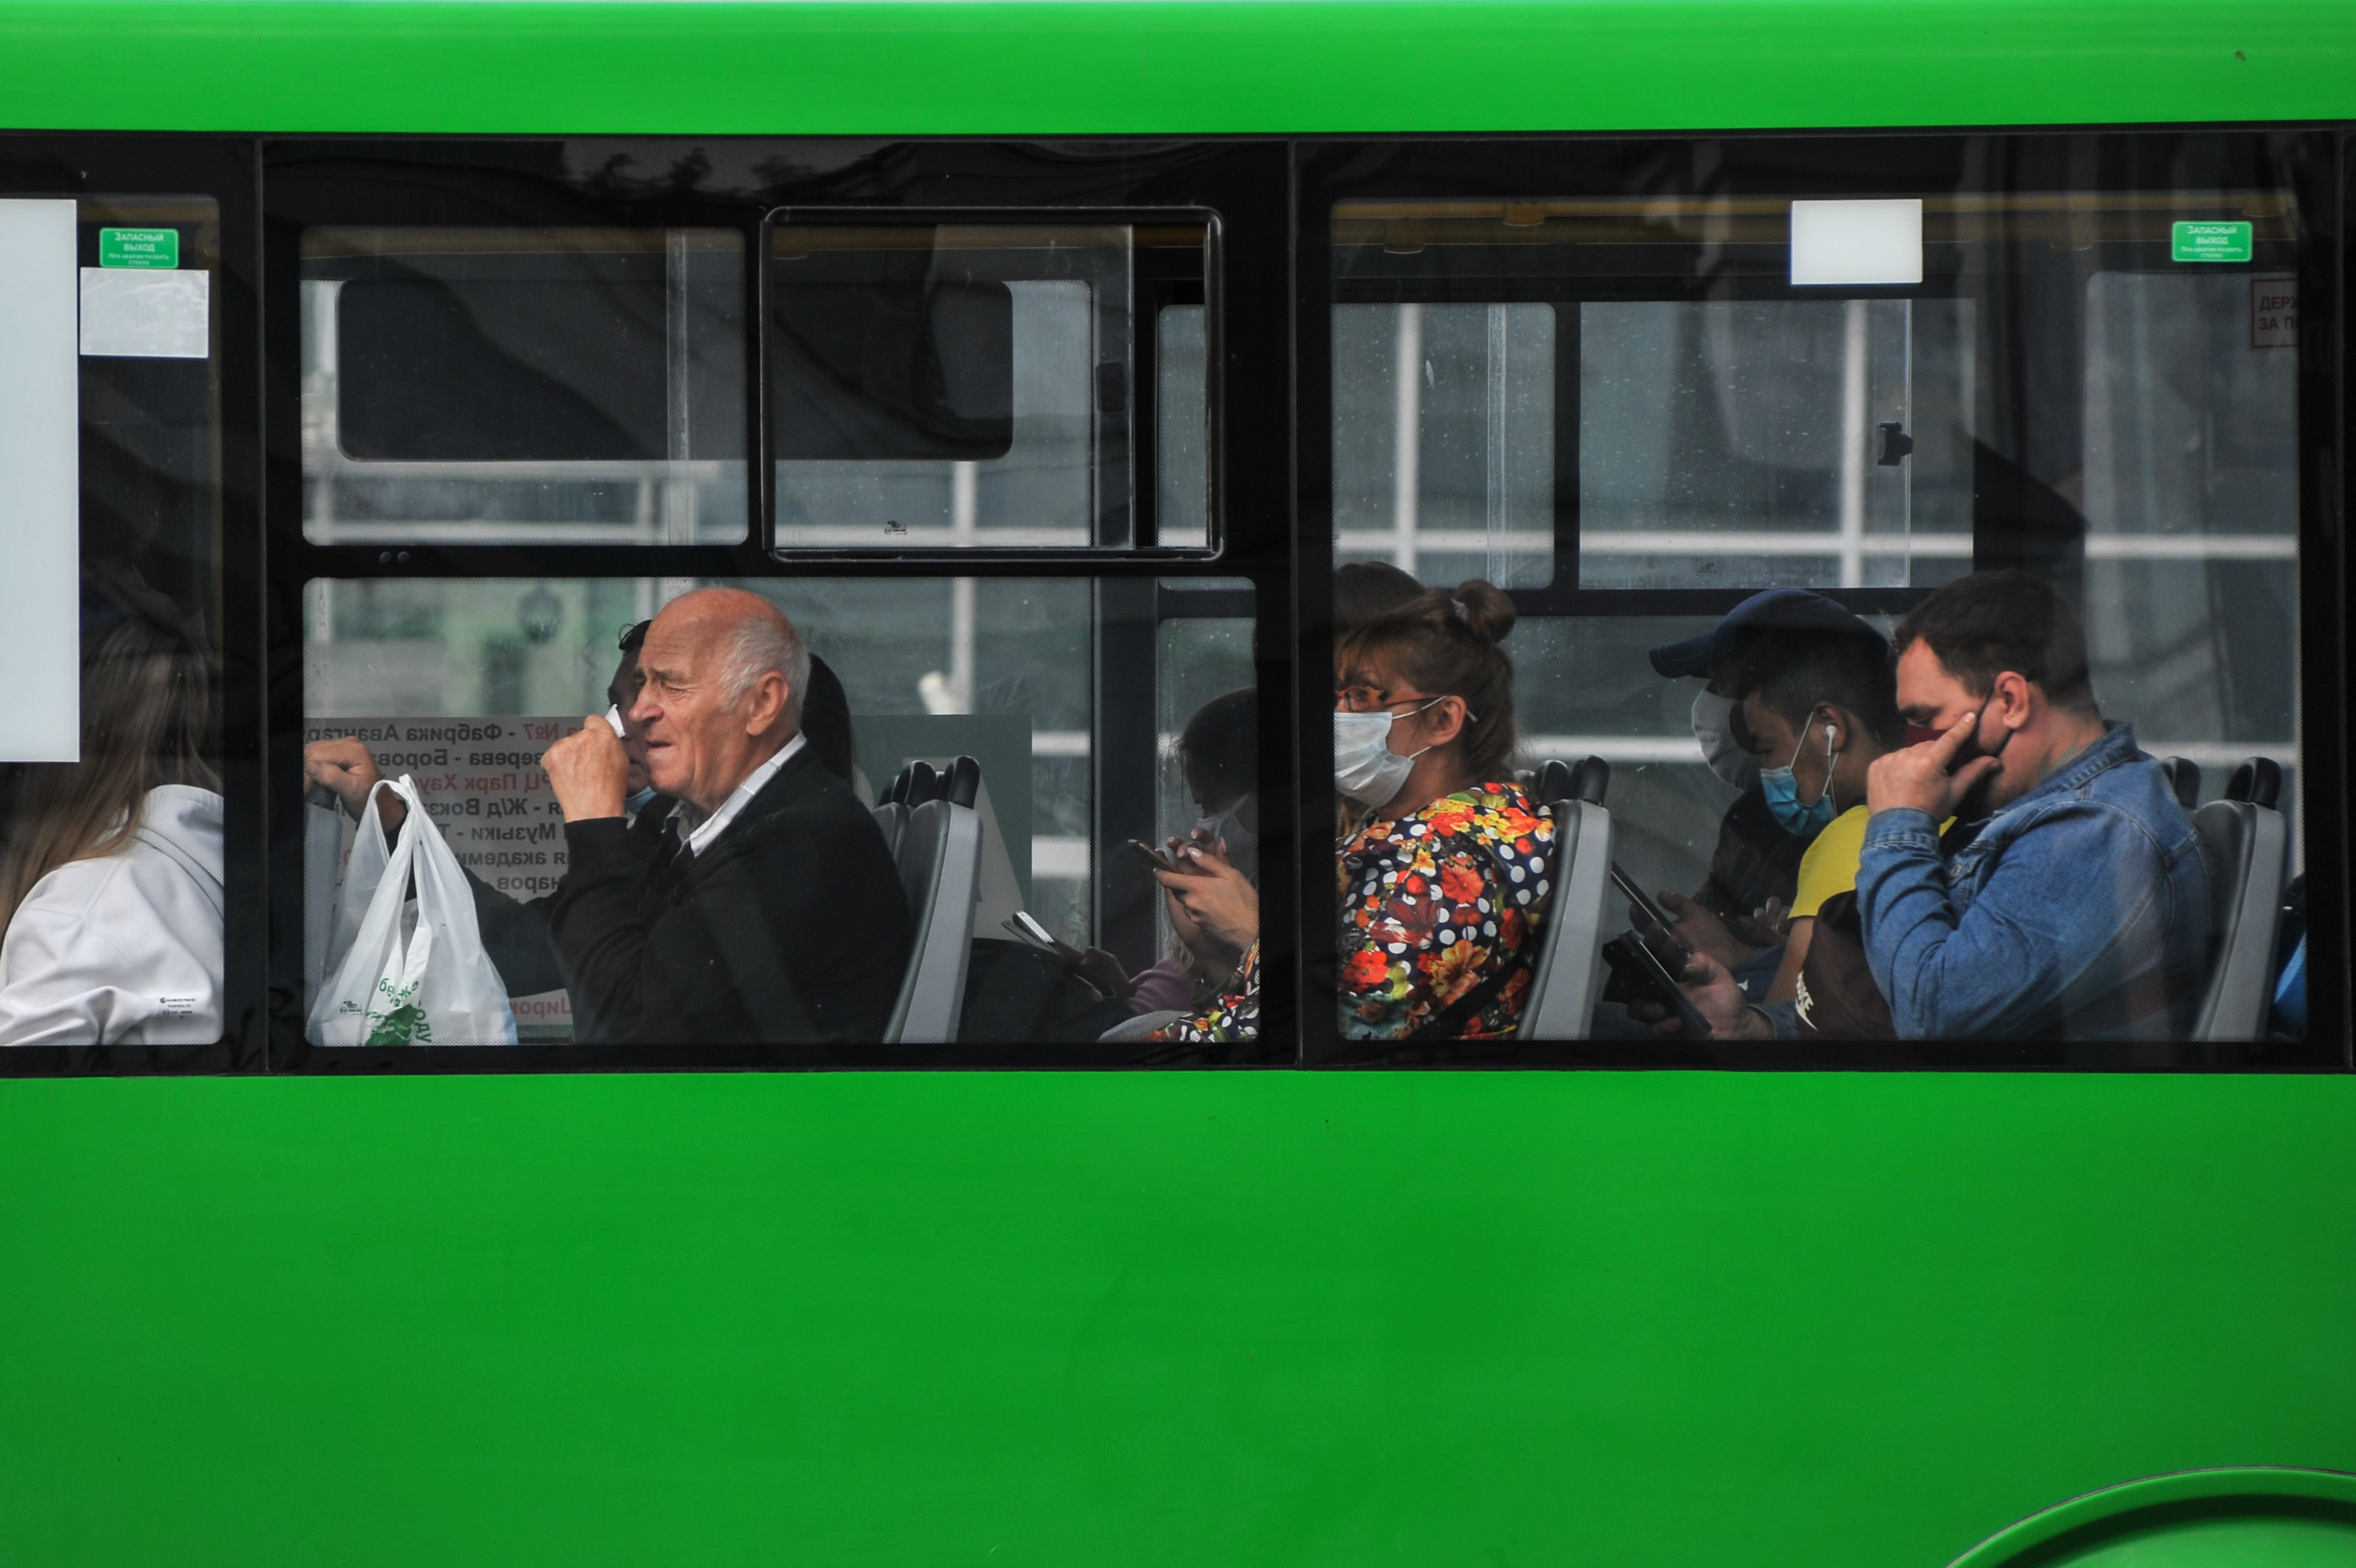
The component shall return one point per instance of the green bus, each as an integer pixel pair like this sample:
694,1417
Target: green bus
378,378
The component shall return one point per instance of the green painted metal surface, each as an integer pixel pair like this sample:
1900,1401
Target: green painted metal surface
1490,1319
2236,1516
1088,65
1281,1317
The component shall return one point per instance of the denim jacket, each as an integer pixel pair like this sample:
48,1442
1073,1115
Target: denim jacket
2079,911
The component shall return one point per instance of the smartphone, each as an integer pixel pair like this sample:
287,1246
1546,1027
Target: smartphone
1644,978
1039,936
1642,901
1162,862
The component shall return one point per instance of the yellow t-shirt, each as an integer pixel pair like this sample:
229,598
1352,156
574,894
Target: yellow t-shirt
1830,864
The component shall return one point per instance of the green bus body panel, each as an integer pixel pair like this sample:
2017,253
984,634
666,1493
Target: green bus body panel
1234,1318
1175,66
1493,1319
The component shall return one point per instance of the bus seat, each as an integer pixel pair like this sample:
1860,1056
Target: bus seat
2244,848
940,857
1562,992
892,818
2183,777
962,782
2258,780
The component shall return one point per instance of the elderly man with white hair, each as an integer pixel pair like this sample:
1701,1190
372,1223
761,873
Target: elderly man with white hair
769,911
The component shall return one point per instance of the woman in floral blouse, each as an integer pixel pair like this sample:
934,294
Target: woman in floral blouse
1445,879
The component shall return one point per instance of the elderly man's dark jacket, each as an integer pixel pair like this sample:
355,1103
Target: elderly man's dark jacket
790,928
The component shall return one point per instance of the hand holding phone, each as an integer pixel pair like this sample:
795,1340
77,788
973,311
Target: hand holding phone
1644,906
1162,862
1038,936
1642,977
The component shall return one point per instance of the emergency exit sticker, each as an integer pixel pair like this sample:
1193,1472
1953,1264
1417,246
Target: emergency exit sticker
149,247
2273,313
2212,241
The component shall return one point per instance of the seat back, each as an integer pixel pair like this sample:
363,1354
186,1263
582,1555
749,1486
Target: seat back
2244,848
1561,998
892,819
2183,776
940,858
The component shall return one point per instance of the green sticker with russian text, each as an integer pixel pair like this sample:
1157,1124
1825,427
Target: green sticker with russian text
2212,241
158,247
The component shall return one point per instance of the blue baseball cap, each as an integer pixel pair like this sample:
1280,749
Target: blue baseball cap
1777,609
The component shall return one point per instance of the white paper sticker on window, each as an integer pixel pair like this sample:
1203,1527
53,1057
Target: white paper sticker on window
1857,243
40,483
145,315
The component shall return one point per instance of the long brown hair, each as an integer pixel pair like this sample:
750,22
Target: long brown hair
1445,642
145,710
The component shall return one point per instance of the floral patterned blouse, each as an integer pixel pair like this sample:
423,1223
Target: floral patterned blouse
1432,905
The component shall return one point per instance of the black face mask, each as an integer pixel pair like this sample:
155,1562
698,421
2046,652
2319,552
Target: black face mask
1974,804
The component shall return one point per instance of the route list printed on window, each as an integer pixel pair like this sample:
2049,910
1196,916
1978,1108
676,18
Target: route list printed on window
486,791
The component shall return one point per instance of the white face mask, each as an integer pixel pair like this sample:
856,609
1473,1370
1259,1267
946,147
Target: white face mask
1712,718
1366,768
1221,827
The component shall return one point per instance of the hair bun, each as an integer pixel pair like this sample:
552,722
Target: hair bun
1484,607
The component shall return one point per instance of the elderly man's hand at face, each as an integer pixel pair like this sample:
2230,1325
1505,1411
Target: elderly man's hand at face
589,771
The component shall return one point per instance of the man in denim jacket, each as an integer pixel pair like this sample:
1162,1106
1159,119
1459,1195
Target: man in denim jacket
2069,901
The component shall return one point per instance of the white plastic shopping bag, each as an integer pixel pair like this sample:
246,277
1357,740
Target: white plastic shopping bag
403,971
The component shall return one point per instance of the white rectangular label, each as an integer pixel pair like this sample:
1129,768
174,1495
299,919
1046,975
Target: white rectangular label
40,483
146,315
1857,243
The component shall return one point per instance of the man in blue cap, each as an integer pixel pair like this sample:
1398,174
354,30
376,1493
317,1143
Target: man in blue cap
1755,868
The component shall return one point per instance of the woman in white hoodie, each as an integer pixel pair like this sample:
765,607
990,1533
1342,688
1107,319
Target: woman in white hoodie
110,877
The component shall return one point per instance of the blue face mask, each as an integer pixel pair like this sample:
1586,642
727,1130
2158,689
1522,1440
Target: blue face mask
1799,820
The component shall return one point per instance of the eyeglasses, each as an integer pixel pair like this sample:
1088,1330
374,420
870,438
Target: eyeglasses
1374,699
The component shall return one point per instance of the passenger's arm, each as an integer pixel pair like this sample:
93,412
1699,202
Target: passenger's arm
709,968
515,934
348,770
1700,931
1786,984
2066,896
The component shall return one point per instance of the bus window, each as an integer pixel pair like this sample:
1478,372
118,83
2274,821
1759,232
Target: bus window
558,386
1181,404
463,686
2048,487
113,833
977,384
1444,439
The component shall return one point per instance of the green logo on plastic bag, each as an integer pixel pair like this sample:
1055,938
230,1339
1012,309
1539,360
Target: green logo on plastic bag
402,1023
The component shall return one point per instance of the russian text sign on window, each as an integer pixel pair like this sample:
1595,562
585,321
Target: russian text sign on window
2273,313
152,248
2212,241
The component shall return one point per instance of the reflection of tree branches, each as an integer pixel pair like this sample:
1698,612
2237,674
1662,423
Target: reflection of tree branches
772,172
689,172
609,180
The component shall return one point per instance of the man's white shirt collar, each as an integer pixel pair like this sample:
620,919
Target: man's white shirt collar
699,835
